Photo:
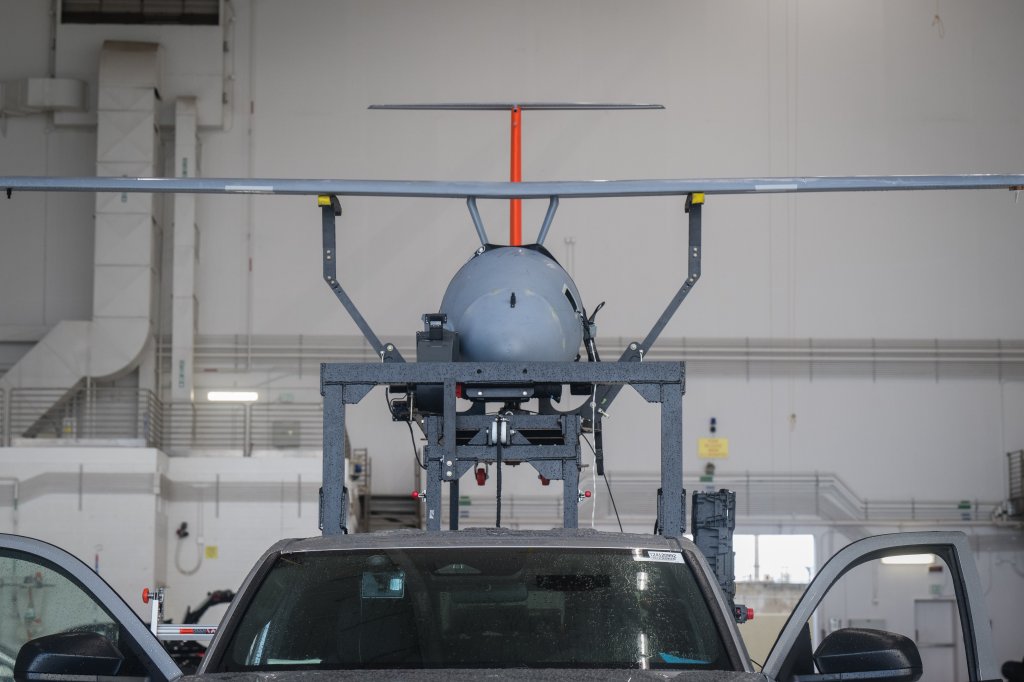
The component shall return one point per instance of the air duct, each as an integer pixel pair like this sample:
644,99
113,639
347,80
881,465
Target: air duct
125,265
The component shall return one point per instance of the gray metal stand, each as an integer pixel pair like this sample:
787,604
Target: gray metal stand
457,442
548,441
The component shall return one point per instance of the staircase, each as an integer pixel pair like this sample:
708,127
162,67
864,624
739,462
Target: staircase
389,512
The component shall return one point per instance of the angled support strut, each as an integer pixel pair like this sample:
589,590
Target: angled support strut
636,351
330,209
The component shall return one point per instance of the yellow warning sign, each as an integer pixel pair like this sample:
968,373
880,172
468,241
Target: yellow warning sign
713,448
211,551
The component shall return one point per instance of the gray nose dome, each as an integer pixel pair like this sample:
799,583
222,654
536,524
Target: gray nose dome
512,304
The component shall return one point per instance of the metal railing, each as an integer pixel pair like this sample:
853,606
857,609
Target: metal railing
998,359
130,416
815,497
218,426
1015,473
286,426
243,426
84,413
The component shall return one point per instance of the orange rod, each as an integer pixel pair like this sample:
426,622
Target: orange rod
515,229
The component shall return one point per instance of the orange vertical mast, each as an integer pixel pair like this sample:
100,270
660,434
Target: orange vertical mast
515,228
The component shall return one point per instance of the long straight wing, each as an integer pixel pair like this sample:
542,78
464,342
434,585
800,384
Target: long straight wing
517,190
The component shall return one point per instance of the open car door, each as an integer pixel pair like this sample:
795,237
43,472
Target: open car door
868,654
61,621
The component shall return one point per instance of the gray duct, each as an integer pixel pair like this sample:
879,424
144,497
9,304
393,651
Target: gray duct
125,268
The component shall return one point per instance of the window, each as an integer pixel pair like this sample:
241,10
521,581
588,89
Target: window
478,608
787,559
194,12
38,599
772,572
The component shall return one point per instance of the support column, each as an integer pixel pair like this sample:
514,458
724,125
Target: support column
671,503
333,494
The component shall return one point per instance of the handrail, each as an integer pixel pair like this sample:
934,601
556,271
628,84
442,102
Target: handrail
85,413
136,417
812,498
4,419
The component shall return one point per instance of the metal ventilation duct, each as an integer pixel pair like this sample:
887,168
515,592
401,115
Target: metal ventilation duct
125,267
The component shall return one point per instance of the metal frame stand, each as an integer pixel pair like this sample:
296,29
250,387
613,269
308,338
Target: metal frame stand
458,442
549,441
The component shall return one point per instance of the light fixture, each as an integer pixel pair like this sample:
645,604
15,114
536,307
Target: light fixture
232,396
909,560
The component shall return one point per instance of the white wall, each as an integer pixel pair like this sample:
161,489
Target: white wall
769,88
810,88
240,507
751,88
100,504
117,509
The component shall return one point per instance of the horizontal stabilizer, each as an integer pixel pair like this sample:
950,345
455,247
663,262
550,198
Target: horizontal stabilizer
508,106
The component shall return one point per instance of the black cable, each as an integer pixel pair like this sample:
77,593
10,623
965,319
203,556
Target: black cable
497,457
608,485
412,436
415,452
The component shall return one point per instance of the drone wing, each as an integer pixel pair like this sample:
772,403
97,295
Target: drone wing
514,190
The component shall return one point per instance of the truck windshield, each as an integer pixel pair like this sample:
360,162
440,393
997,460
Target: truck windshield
477,608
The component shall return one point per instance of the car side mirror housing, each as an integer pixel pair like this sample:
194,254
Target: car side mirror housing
865,654
75,654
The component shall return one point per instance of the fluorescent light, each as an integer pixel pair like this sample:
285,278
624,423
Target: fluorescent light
232,396
909,559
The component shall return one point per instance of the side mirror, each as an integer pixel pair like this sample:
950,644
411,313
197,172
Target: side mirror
67,653
870,654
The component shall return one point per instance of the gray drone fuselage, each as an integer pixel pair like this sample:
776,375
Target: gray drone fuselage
513,303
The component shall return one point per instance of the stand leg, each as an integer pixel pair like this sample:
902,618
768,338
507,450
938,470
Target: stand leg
333,514
671,510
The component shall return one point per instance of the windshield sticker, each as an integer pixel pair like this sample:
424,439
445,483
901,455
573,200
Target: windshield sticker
678,660
663,557
383,585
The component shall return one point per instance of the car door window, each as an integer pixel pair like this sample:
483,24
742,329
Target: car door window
43,591
909,595
41,601
927,617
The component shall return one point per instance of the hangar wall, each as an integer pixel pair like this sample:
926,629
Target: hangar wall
770,88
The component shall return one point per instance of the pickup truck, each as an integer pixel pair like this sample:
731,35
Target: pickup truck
468,604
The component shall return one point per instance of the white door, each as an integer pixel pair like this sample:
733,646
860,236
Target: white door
937,633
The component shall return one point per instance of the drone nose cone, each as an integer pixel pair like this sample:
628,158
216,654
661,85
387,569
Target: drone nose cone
513,304
491,330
